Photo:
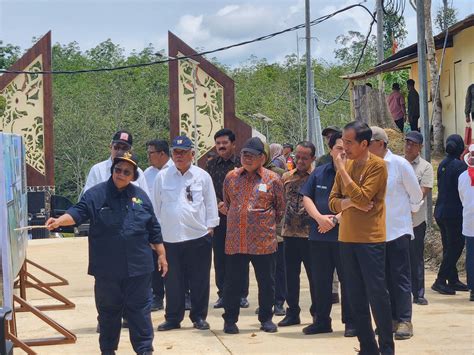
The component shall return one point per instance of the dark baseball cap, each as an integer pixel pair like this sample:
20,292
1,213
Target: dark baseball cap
253,146
123,137
182,142
330,129
415,137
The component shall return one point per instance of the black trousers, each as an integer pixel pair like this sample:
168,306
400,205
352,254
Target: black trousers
413,123
364,274
417,261
297,252
453,245
132,298
218,246
325,258
398,275
236,266
280,275
158,282
400,123
194,257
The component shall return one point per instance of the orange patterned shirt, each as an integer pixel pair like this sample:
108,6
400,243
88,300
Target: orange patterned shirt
255,205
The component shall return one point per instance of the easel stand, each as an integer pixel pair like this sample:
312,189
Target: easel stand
20,304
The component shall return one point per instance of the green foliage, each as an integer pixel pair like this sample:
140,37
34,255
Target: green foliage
9,54
445,17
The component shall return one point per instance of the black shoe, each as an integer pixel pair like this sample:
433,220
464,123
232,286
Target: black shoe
187,302
471,297
146,353
269,327
458,286
289,320
219,303
167,325
257,310
201,324
244,303
316,328
335,298
442,288
350,331
231,328
279,310
125,323
97,329
156,304
420,301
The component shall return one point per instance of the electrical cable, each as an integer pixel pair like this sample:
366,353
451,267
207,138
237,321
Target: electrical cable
140,65
359,61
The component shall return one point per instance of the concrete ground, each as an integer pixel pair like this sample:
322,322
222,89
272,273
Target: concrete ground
445,326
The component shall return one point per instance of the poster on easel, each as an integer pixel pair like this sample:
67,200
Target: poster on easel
13,213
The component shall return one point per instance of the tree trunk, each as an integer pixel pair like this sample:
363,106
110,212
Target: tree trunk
435,94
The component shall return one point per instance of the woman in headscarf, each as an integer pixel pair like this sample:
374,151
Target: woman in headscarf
448,215
277,157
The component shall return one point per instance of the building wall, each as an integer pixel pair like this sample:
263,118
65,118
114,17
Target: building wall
457,74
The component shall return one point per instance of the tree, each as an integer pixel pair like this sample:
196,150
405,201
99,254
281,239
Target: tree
435,90
9,54
394,30
446,16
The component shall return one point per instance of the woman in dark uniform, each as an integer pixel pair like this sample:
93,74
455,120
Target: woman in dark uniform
123,234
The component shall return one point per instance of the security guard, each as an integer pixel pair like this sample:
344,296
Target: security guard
123,226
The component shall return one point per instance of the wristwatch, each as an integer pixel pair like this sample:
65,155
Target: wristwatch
335,220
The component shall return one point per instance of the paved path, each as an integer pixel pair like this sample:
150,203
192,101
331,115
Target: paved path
446,326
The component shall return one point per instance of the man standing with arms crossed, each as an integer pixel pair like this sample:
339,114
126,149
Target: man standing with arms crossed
359,193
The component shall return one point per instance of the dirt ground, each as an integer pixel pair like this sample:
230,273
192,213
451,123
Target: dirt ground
445,326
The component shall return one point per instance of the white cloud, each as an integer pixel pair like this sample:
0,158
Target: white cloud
190,27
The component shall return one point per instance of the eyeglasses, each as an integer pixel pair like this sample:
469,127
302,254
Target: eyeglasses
189,194
123,147
250,156
124,172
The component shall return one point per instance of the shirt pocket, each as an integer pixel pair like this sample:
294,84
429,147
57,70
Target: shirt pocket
141,217
263,201
169,194
108,222
195,194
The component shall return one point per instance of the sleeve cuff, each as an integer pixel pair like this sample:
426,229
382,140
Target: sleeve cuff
76,216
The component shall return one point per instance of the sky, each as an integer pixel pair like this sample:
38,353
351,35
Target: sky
203,24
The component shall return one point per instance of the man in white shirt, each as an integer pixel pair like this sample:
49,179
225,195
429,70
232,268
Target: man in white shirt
466,194
185,204
121,142
403,196
158,153
424,173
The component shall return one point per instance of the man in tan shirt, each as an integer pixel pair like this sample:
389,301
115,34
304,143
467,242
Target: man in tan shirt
359,193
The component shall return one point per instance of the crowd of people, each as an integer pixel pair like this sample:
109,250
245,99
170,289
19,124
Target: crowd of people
354,217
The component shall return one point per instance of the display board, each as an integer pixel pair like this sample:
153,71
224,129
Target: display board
13,212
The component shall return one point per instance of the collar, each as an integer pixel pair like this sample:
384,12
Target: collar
388,156
260,171
416,161
167,164
129,190
174,170
221,160
295,172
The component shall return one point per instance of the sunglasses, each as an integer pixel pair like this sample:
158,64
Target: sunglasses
123,147
189,194
124,172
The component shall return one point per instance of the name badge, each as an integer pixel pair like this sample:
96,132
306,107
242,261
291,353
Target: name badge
262,187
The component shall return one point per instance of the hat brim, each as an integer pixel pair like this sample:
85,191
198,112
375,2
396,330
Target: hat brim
120,159
414,140
251,151
121,141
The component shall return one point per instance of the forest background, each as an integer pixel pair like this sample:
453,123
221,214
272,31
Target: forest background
89,108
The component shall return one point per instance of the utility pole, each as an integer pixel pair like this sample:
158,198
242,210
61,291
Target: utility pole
380,54
423,86
299,86
310,135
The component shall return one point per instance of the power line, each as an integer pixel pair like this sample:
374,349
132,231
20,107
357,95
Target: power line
359,61
141,65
